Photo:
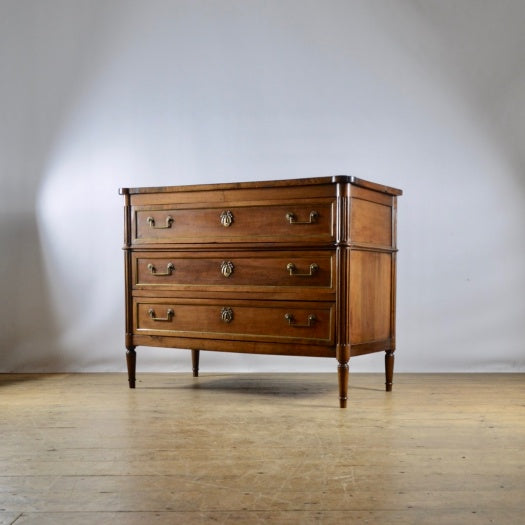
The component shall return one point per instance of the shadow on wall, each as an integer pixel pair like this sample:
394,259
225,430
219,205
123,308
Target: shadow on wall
48,60
26,318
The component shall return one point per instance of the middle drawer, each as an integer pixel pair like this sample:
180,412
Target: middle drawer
194,270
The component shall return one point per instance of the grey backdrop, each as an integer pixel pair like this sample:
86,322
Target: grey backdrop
427,95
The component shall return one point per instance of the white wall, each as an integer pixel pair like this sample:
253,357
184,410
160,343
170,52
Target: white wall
428,96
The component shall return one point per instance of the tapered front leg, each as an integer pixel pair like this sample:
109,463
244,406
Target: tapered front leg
343,357
131,361
389,369
342,375
195,362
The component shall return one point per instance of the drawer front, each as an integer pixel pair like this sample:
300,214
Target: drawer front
227,270
303,222
253,320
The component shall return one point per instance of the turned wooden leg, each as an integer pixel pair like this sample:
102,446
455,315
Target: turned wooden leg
342,375
389,369
131,361
195,362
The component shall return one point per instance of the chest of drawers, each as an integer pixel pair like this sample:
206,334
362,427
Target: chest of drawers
301,267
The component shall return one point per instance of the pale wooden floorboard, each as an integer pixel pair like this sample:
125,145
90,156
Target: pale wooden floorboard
254,448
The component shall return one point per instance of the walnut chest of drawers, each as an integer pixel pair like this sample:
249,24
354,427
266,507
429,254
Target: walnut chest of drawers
301,267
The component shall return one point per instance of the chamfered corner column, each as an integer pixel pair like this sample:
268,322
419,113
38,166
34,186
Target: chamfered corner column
389,369
195,362
131,361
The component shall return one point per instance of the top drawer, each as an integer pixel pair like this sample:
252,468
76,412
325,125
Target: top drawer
312,221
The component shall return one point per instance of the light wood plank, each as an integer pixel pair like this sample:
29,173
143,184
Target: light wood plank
236,448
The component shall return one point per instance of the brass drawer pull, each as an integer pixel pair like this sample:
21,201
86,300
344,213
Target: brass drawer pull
291,321
169,314
169,222
169,268
226,218
293,270
227,268
292,219
226,314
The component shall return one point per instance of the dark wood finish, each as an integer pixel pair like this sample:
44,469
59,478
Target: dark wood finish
195,362
370,299
389,369
260,222
131,361
235,319
342,374
287,183
295,267
275,270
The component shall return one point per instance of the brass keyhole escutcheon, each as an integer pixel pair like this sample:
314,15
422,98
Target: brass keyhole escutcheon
226,218
226,314
227,268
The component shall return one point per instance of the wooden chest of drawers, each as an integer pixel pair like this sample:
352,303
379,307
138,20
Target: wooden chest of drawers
300,267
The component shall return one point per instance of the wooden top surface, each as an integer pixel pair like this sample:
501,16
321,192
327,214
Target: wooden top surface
345,179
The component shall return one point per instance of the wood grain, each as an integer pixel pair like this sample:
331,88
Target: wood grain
261,271
441,449
301,267
370,296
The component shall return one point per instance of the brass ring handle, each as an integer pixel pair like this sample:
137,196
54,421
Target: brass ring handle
169,222
169,314
291,321
292,219
169,268
226,218
227,268
293,270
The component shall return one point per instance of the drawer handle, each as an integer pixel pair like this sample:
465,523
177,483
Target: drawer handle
169,268
227,268
293,270
292,219
292,322
226,314
169,222
169,314
226,218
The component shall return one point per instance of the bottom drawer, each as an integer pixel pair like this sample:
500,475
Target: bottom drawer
236,320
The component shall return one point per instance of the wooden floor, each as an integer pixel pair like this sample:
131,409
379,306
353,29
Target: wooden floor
84,449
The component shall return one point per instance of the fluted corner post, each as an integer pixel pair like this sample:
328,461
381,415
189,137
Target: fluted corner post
342,335
131,356
195,362
389,369
343,357
131,361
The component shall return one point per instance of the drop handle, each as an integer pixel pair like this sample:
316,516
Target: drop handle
169,314
293,270
292,322
292,219
169,268
169,222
